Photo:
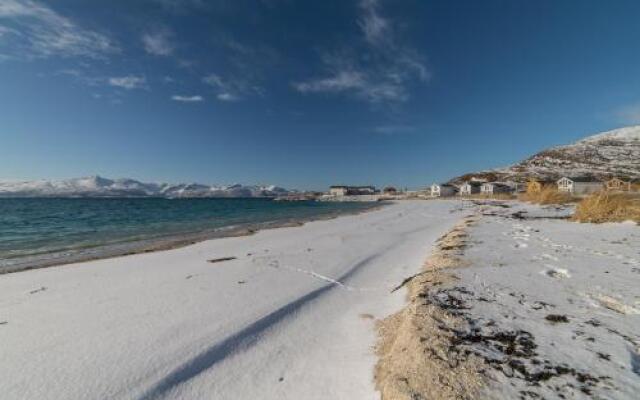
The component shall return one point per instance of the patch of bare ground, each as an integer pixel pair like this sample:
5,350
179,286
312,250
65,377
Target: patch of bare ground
414,349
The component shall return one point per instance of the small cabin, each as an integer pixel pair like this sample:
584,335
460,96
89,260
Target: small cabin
517,187
338,190
618,185
443,190
390,191
491,188
537,185
579,185
469,188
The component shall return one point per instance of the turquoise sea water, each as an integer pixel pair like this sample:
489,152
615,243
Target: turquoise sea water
39,232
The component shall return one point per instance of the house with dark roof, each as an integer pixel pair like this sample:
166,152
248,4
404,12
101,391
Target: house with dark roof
491,188
443,190
579,185
342,190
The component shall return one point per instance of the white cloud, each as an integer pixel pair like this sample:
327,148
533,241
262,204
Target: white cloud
394,129
227,97
39,31
231,89
376,69
629,114
158,43
375,27
375,83
128,82
187,99
214,80
342,80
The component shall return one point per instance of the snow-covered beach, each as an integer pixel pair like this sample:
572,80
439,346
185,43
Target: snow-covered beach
291,317
514,300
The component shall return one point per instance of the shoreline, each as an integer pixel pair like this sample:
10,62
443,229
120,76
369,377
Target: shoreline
175,324
141,246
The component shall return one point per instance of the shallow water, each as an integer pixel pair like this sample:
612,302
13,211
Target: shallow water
37,232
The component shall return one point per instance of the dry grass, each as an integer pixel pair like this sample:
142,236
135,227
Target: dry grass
415,362
608,207
548,195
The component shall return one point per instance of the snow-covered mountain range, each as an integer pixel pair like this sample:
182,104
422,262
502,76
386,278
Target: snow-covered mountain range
607,154
96,186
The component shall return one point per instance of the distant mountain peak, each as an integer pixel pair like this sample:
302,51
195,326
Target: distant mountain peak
603,155
97,186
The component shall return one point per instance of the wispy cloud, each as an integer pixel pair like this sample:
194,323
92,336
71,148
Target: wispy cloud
628,114
159,42
35,31
187,99
227,97
377,69
231,89
181,6
341,80
128,82
376,29
394,129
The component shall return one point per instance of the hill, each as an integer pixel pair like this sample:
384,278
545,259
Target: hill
604,155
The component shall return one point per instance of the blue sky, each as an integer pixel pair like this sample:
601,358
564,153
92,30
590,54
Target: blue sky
306,94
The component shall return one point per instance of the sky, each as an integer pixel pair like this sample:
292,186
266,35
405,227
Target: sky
305,94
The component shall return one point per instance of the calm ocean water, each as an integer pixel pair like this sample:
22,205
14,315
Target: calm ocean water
39,232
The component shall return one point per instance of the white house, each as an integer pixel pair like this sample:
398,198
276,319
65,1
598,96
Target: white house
338,190
579,185
443,190
341,190
517,187
490,188
469,188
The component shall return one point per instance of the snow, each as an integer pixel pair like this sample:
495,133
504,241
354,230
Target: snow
99,186
611,153
626,134
285,320
525,273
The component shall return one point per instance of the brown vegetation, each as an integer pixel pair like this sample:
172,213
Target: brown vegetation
548,195
608,207
415,361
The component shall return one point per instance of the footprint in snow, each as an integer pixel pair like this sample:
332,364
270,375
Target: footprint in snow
634,354
549,257
42,289
555,272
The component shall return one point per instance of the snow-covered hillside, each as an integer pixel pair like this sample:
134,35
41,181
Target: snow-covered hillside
612,153
96,186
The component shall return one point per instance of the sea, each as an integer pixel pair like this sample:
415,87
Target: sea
39,232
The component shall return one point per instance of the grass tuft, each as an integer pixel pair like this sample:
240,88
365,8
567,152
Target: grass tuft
548,195
608,207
